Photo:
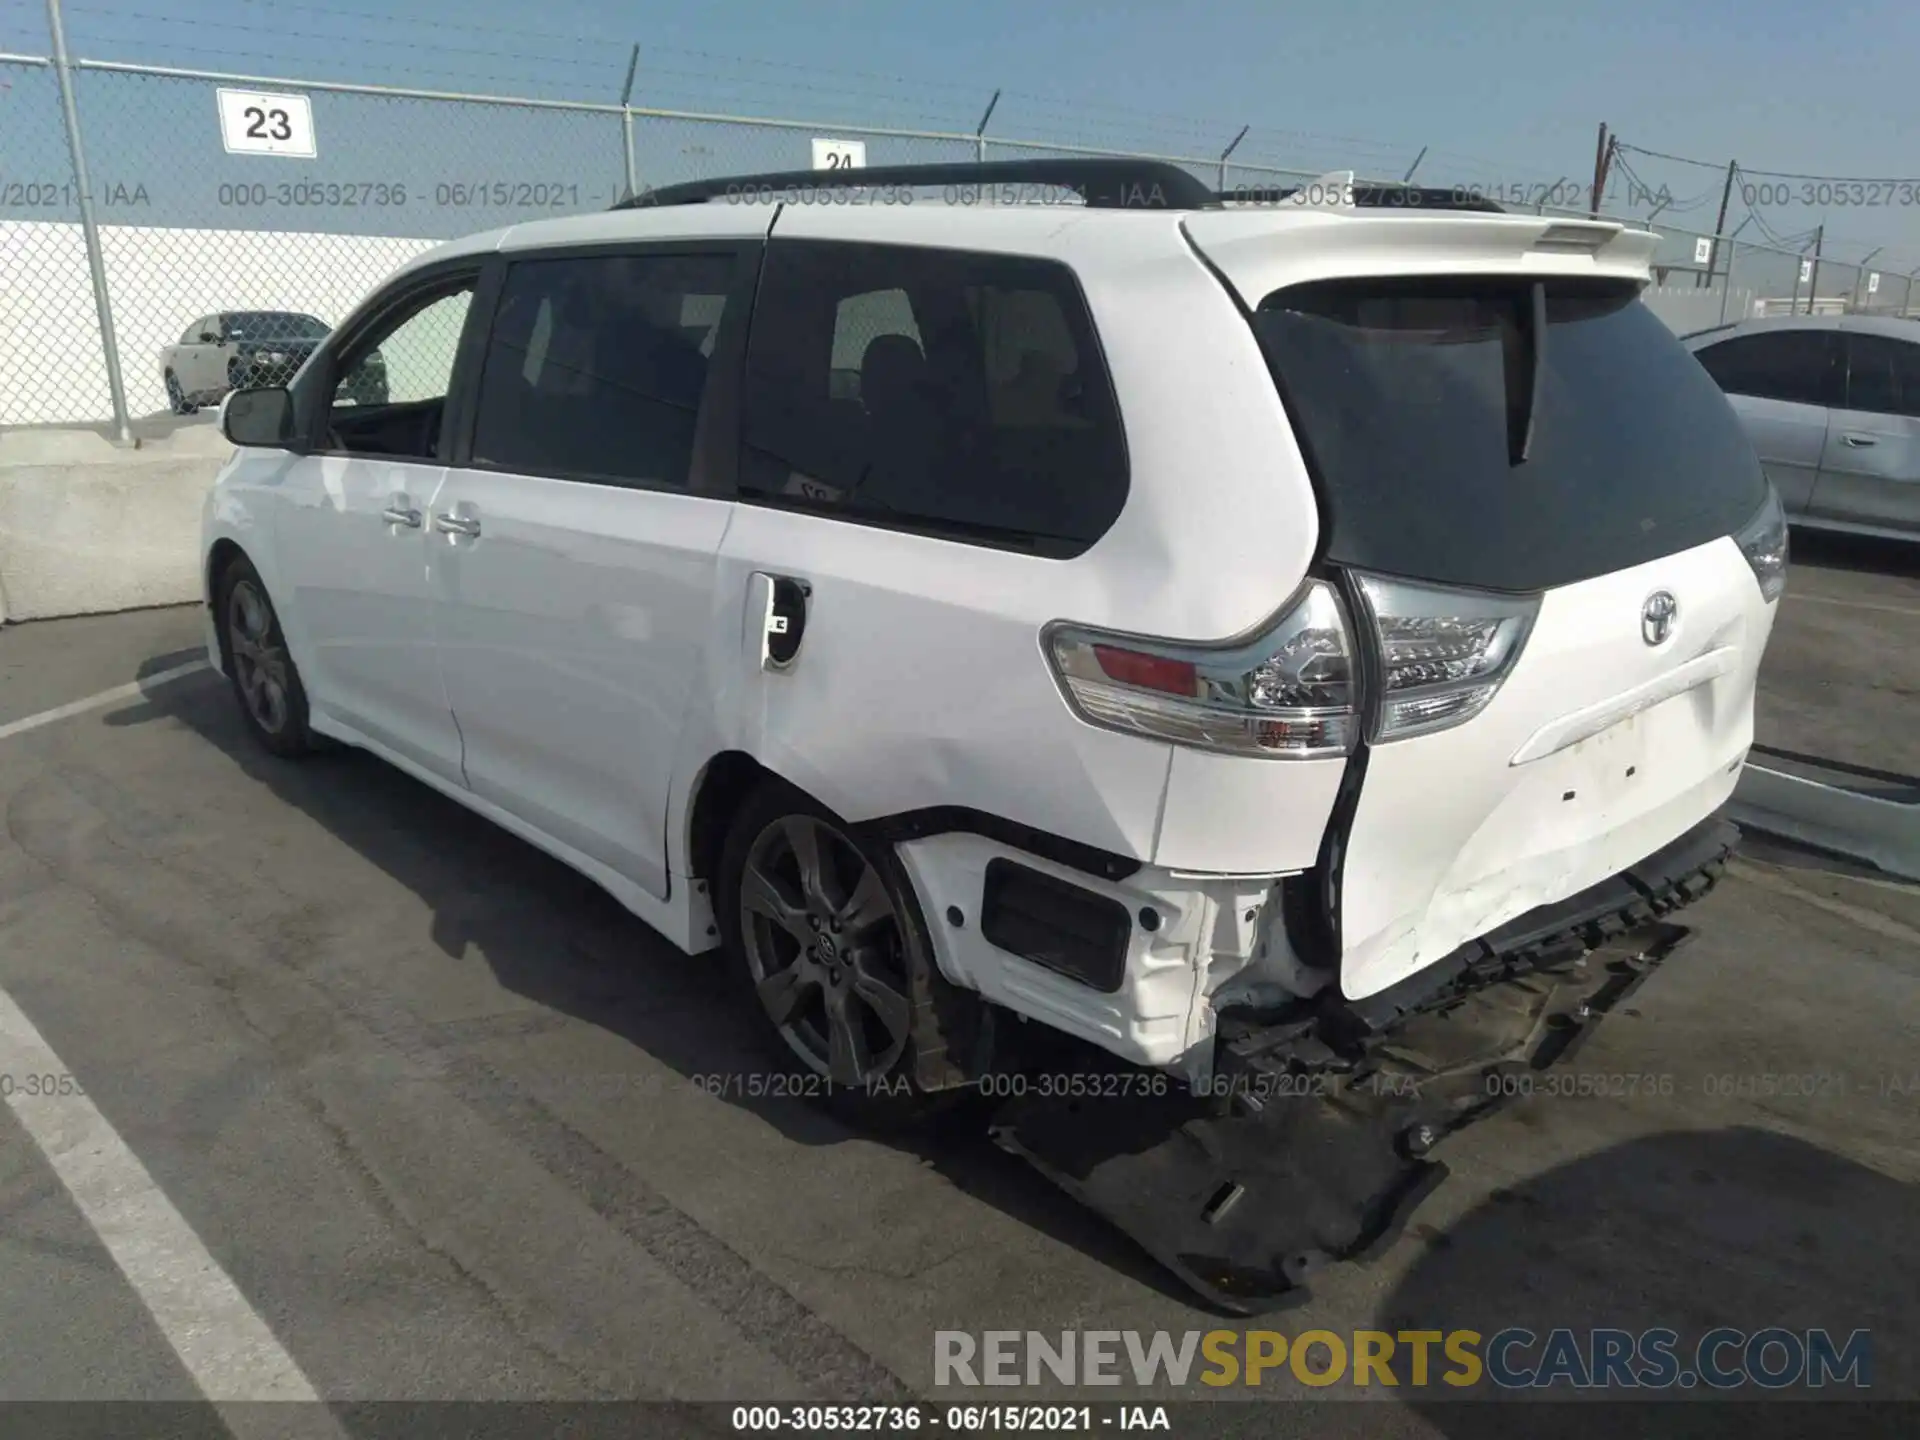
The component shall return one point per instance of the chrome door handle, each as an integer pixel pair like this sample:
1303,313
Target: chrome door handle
456,525
1858,442
401,515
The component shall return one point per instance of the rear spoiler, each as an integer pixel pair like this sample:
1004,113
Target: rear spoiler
1261,249
1340,190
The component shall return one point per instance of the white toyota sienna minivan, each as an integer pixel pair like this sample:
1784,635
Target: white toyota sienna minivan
1229,631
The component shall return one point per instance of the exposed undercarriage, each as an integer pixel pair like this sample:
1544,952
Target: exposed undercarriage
1312,1144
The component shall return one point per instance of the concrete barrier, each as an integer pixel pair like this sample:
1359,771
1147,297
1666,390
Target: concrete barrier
88,527
1830,811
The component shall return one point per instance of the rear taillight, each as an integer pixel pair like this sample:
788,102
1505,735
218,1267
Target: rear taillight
1286,694
1443,653
1763,540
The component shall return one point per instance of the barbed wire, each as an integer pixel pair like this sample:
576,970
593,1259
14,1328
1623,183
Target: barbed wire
1646,190
1796,243
881,95
1211,135
1721,165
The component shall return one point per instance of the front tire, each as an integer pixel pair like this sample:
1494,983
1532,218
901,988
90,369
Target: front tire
266,682
827,934
177,400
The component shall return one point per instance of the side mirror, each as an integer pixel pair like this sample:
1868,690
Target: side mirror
207,337
261,419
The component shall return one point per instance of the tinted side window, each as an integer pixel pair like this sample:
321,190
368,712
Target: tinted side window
1797,365
1883,375
957,394
859,320
595,366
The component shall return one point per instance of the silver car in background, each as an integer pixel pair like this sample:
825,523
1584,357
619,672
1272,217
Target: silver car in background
1832,405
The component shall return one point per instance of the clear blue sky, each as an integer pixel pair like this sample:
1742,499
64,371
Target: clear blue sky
1504,93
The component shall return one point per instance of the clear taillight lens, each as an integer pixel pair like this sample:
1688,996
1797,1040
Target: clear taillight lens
1287,694
1763,541
1443,653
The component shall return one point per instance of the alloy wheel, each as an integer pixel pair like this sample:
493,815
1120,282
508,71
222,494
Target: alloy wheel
259,659
824,947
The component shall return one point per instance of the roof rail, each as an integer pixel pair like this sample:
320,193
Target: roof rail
1366,195
1102,184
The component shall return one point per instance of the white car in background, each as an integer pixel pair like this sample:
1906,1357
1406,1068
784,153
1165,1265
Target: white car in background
1228,636
240,349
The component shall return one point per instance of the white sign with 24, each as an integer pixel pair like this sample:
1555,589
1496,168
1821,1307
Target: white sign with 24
839,154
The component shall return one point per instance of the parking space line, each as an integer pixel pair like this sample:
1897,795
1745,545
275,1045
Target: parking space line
1884,926
1855,604
225,1346
106,697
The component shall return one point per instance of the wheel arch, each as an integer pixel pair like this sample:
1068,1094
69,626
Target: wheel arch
719,790
220,555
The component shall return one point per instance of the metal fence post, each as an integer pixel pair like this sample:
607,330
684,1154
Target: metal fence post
1224,154
980,130
626,123
1813,280
96,266
1726,285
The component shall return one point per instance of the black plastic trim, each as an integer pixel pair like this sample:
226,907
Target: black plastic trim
1104,184
463,399
951,819
1060,926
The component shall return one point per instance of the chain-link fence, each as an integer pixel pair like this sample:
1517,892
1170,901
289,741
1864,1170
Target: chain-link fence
222,264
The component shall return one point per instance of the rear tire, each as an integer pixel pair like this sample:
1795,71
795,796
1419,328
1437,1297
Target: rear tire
266,682
826,934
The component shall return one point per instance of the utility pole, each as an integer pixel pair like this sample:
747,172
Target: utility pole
96,266
1813,279
1602,157
1720,225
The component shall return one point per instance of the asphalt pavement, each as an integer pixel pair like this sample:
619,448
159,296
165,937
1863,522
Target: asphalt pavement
443,1117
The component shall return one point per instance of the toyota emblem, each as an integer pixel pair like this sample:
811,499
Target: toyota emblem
1657,617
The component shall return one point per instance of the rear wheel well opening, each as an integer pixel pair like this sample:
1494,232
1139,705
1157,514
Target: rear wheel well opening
729,778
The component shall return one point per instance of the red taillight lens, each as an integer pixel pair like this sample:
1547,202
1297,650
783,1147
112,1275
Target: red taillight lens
1286,693
1148,672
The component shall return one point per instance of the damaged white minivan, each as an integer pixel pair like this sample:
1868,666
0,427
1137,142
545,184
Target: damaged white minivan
1293,647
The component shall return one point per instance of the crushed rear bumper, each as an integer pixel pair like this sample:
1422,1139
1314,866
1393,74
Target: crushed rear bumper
1311,1145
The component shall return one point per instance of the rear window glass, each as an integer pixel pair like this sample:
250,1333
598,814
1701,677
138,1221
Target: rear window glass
959,395
1404,395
